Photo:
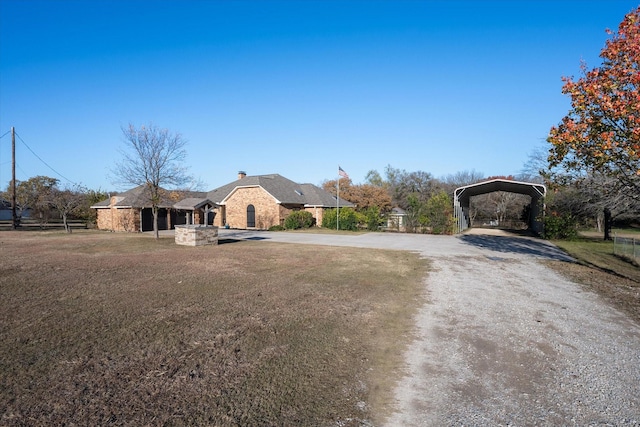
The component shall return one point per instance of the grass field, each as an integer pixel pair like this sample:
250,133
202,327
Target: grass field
119,329
598,269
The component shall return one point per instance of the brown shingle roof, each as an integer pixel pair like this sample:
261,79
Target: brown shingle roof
138,197
282,189
191,203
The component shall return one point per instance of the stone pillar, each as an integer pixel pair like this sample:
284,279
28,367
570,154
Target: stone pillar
196,235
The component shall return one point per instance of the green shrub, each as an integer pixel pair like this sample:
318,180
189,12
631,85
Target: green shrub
348,219
434,216
439,213
561,227
298,219
276,228
372,218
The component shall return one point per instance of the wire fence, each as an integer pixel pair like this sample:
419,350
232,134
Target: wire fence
627,247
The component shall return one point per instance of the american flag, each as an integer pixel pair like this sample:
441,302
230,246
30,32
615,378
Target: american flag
342,173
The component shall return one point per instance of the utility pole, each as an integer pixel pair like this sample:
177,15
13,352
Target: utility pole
14,214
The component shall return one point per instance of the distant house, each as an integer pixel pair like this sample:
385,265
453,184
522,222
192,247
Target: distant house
6,213
250,202
5,210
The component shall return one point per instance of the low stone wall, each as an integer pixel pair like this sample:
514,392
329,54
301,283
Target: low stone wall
196,235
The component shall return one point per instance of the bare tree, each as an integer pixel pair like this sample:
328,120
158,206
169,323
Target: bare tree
67,201
402,184
152,157
590,197
460,179
501,206
536,166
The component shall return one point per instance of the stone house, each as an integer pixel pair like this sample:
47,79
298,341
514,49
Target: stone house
263,201
250,202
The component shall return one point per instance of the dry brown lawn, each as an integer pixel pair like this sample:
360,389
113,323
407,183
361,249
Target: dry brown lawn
615,279
119,329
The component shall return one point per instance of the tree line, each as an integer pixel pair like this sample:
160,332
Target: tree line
44,199
425,201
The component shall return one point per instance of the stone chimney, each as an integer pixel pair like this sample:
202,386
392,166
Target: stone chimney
241,174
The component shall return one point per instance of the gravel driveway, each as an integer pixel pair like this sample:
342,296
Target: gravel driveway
504,340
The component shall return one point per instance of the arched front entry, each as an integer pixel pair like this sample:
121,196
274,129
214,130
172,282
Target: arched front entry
251,216
462,197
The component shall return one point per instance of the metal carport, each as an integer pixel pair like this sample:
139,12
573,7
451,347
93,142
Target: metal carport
462,197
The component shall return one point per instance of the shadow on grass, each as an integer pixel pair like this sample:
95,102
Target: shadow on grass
518,245
231,239
226,241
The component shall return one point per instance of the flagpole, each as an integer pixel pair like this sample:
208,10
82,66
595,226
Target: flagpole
338,205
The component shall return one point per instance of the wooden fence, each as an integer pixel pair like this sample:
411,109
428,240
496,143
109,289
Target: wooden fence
54,224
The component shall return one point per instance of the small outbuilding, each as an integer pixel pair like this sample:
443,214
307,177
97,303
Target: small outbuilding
396,220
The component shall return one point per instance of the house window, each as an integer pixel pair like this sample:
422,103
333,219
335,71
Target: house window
251,216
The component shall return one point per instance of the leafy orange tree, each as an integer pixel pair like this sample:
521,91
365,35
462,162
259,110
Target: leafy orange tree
364,196
371,201
601,132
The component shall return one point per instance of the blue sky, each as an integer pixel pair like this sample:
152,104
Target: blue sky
295,88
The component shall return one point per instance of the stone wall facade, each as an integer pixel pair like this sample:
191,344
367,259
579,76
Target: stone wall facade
268,211
196,235
124,219
317,213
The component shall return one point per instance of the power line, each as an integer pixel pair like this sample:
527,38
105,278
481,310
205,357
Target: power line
45,163
5,134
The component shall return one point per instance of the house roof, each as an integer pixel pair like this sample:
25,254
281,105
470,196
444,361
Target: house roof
192,203
280,188
316,196
283,190
138,198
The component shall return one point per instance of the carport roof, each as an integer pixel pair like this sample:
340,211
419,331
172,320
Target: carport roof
529,188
